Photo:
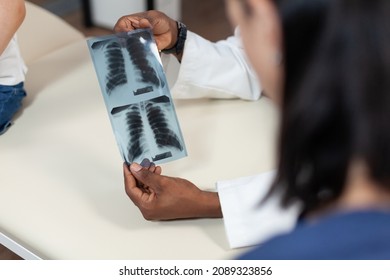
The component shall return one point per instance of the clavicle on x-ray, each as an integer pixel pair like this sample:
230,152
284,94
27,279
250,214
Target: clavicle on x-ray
137,97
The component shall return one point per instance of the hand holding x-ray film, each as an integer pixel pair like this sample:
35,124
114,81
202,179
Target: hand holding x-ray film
137,97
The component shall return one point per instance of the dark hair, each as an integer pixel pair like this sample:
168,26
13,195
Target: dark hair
336,102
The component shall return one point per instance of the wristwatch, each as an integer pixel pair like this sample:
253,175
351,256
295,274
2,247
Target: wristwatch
181,39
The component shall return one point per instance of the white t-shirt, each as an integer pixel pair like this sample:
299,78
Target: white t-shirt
223,69
12,67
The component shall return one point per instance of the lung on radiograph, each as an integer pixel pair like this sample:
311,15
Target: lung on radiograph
137,144
157,111
116,71
137,50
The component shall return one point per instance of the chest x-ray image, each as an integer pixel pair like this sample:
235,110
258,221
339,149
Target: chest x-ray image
137,97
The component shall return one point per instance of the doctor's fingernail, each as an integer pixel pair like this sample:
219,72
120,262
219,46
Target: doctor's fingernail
145,163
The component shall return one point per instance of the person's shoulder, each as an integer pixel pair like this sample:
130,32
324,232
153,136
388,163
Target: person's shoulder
352,235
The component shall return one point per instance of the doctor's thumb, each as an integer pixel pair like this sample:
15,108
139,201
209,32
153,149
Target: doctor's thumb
143,175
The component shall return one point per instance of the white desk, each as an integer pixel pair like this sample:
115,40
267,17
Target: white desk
61,183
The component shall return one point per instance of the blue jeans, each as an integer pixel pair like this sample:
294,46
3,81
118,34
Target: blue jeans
10,102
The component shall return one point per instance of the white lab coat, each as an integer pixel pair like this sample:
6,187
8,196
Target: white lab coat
219,68
222,69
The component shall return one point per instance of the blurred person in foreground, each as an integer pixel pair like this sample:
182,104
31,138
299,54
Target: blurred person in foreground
334,151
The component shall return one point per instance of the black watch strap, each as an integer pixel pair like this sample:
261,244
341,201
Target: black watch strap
181,40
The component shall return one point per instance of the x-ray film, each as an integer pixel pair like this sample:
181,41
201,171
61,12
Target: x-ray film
137,97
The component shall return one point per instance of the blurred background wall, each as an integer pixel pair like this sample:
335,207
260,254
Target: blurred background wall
205,17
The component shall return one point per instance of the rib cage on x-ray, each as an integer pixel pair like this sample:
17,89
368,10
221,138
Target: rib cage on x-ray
137,144
137,96
150,120
164,136
137,48
116,75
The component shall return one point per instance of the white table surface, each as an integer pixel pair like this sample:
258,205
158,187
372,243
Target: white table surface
61,185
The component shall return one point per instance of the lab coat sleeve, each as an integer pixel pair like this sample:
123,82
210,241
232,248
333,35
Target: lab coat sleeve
249,221
215,70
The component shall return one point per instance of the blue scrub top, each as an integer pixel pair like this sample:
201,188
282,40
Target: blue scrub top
358,235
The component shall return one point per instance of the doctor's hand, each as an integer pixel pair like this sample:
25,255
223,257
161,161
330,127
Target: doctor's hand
166,198
164,28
